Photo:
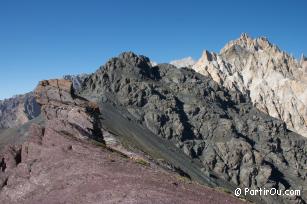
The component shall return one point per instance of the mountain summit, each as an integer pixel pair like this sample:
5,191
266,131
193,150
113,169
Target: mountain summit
274,80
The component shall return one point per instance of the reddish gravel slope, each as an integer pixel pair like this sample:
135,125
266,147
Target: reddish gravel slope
55,168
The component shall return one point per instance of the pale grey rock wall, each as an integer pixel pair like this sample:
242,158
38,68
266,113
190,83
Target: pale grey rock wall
274,80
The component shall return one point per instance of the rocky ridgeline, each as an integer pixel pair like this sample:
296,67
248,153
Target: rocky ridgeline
233,139
20,109
274,80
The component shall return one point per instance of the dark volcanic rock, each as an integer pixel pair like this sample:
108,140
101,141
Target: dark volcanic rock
234,140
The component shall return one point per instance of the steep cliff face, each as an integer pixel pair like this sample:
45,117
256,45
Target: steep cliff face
18,110
274,80
234,141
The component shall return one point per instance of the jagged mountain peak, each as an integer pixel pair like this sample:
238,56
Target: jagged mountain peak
245,41
207,55
128,63
274,80
130,58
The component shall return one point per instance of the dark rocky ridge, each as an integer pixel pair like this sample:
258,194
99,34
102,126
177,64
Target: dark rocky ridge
221,128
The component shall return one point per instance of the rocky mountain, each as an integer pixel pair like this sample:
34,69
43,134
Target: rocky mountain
184,62
172,121
275,81
18,110
230,142
61,163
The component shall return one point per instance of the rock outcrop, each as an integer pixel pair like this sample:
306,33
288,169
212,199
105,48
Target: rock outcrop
274,80
221,128
67,112
18,110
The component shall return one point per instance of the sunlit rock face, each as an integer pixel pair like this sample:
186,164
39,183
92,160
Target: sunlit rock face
275,81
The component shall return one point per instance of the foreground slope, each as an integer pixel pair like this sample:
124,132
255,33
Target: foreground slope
217,128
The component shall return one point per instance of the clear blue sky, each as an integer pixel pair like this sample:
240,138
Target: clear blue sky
49,38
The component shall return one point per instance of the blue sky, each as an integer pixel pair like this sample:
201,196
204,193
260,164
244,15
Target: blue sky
50,38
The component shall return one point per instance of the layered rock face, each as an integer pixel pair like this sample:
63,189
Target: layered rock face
58,164
18,110
275,81
68,113
234,140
